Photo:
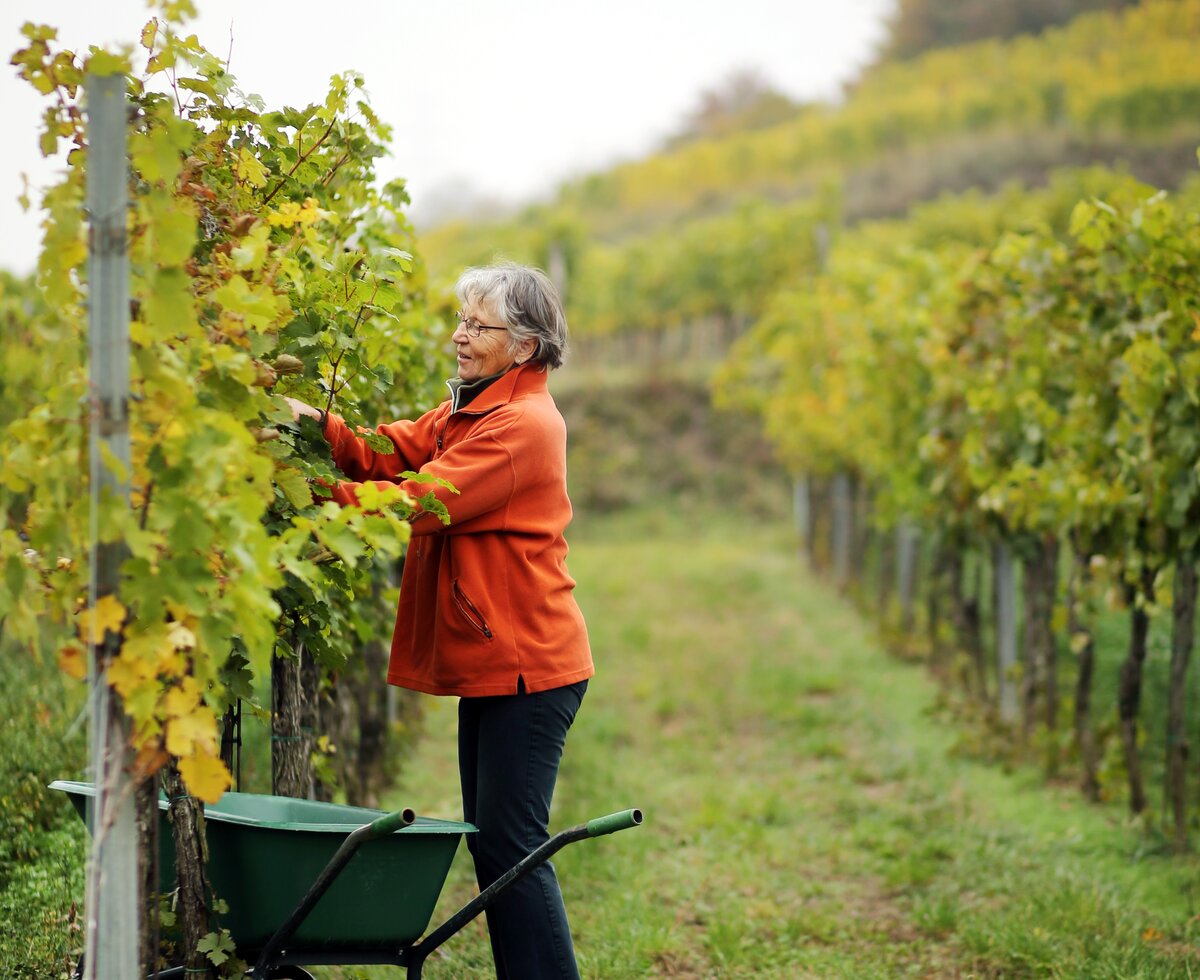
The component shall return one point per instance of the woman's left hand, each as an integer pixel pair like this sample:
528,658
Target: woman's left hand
300,408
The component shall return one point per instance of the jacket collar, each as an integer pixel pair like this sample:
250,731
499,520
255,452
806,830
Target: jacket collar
499,391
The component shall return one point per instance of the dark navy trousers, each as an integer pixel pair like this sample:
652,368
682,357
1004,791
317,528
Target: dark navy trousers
509,748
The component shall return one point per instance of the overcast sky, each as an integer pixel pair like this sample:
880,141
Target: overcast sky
506,99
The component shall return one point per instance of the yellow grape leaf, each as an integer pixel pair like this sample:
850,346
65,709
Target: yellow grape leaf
153,644
169,309
250,169
286,215
72,662
251,252
312,212
174,231
170,664
127,674
182,700
192,732
149,32
205,775
106,616
107,63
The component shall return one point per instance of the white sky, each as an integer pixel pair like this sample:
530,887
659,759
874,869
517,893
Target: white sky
506,98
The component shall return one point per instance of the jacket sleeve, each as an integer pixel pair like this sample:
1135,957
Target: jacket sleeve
481,468
413,441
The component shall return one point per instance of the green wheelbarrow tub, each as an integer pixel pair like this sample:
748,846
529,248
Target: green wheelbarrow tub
265,852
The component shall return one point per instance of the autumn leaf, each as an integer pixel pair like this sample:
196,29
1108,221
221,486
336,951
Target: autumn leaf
205,775
149,32
127,674
312,212
150,758
191,732
72,662
286,215
250,170
182,700
106,616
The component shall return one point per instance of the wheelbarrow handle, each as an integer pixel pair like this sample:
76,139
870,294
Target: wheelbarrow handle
614,822
488,896
379,827
391,822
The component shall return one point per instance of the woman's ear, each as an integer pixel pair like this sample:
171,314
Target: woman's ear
525,350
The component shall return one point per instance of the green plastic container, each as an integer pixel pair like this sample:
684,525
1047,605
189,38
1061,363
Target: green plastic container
265,852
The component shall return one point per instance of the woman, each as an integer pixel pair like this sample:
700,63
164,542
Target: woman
486,608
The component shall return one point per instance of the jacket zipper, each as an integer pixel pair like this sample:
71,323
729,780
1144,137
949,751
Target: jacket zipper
469,610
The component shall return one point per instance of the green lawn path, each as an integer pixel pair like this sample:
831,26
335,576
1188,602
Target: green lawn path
806,815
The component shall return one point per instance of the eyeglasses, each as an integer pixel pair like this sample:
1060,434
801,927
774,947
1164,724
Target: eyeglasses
472,326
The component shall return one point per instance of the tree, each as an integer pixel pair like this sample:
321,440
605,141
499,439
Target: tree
918,26
742,102
264,262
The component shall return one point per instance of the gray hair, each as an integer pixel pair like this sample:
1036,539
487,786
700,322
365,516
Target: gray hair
525,301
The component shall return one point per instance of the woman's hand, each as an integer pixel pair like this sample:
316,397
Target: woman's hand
300,408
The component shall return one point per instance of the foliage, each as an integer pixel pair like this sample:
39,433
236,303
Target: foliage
263,262
635,441
743,101
42,849
763,729
1106,81
1025,363
916,26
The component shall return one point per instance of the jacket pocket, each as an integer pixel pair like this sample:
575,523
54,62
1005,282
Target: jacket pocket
469,611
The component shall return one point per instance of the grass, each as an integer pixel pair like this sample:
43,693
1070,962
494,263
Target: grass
42,842
808,812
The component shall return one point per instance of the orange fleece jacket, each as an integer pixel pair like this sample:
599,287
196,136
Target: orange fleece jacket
487,599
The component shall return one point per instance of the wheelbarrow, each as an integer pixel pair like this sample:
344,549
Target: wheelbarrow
321,884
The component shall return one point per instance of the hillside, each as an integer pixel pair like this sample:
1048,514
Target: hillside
1109,87
641,439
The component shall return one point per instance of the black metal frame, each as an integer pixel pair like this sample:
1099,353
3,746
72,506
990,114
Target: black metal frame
231,742
275,953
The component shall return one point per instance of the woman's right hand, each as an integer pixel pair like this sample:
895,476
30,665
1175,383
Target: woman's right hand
301,408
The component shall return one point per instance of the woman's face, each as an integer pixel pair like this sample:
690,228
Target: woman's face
487,354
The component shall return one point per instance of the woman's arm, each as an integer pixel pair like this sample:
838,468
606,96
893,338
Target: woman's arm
412,444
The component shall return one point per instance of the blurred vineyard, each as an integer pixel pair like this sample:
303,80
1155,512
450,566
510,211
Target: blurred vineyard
963,306
711,228
954,317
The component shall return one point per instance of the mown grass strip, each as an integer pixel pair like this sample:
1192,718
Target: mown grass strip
805,813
